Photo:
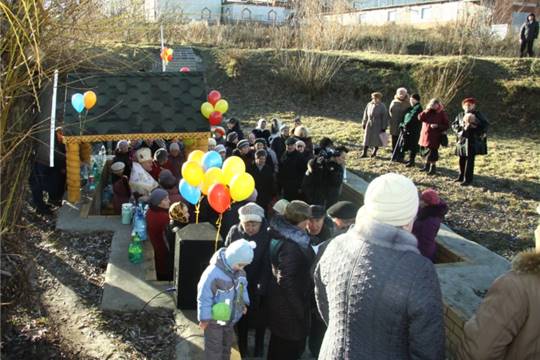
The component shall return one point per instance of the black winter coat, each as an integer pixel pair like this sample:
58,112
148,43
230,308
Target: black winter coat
291,287
237,130
333,181
472,141
291,173
312,182
229,148
261,134
279,147
264,183
259,271
411,126
529,31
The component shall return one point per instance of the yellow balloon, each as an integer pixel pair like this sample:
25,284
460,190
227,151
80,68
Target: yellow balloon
90,99
231,167
222,106
196,155
192,172
207,109
211,177
242,187
169,51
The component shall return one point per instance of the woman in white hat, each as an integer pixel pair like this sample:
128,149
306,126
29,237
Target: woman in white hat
394,306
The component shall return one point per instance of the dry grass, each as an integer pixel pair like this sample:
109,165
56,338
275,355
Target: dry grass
498,212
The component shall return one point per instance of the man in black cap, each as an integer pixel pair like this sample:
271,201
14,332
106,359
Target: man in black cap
333,178
527,34
291,171
320,227
343,214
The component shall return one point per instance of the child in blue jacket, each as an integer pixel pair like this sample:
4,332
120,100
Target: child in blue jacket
222,297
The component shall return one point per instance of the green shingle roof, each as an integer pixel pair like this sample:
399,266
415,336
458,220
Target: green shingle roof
137,102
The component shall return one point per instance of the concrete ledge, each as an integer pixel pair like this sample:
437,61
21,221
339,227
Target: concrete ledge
126,287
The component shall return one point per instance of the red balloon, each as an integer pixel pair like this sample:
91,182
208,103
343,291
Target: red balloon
169,57
184,69
213,97
215,118
219,198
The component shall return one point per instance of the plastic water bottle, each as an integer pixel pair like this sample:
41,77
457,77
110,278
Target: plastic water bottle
139,223
135,250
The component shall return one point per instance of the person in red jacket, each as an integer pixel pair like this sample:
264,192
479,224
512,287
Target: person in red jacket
157,219
434,123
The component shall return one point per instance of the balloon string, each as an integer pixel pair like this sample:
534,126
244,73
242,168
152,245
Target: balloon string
197,210
218,225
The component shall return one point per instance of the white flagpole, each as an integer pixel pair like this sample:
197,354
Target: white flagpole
53,120
162,47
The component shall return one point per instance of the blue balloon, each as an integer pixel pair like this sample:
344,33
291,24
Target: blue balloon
188,192
211,159
77,101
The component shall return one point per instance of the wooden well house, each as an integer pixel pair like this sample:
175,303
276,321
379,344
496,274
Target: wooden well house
131,106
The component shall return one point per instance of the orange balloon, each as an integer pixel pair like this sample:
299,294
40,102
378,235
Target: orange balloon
90,99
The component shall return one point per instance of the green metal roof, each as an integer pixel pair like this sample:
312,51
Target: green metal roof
137,102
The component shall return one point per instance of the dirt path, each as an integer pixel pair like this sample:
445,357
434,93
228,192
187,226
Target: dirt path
62,318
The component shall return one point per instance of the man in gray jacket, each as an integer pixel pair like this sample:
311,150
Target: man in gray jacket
379,297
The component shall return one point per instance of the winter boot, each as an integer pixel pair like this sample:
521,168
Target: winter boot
426,167
364,153
432,170
410,163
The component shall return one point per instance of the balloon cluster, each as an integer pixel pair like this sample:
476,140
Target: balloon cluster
83,101
223,182
214,108
166,54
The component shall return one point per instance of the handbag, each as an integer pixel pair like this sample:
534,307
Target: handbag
383,136
444,139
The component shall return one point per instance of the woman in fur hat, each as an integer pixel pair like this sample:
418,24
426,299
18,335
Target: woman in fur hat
507,323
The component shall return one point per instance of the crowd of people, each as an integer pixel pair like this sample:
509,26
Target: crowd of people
348,282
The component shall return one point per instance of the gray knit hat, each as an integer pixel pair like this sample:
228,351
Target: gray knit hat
167,179
251,212
157,196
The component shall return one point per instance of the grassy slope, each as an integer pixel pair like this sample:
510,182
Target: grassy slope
498,212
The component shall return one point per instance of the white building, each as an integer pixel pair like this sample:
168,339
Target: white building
218,11
422,13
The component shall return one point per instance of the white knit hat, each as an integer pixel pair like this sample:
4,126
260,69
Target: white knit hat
390,199
280,206
251,212
240,252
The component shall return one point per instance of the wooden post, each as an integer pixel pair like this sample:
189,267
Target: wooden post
86,152
73,172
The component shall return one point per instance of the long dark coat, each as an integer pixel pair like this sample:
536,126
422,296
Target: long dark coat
430,137
264,183
291,173
411,126
291,287
470,142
